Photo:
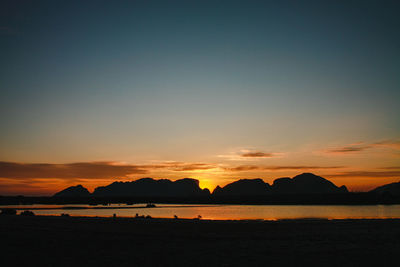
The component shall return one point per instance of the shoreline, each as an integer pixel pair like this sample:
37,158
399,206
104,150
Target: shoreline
168,219
217,212
217,220
351,198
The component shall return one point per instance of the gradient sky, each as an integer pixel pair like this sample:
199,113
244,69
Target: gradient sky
97,91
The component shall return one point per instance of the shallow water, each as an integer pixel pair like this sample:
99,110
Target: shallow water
222,212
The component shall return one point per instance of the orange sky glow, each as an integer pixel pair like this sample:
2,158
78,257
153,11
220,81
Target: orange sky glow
357,168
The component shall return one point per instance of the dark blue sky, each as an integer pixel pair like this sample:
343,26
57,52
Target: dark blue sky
188,80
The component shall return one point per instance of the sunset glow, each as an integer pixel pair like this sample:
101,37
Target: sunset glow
97,93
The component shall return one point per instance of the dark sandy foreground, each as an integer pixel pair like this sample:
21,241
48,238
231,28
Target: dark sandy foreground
77,241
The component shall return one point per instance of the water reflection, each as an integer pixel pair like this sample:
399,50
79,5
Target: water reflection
223,212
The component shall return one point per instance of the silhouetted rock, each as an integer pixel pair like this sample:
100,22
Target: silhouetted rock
148,187
27,213
244,187
392,189
8,211
206,191
217,190
73,191
282,185
344,189
306,183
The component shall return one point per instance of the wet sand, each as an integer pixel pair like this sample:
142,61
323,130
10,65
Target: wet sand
85,241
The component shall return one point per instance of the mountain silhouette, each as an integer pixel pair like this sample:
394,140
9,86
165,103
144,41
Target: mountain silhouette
73,191
392,189
306,183
244,187
148,187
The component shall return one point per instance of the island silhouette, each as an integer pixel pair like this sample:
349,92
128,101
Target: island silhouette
306,188
305,183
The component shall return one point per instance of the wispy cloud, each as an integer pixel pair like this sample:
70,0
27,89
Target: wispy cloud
248,154
361,147
257,154
391,168
243,168
367,174
180,166
358,147
279,168
393,144
69,170
91,170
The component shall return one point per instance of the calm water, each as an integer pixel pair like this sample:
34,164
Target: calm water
220,212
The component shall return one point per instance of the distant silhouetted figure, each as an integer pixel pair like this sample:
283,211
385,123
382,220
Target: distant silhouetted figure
27,213
175,217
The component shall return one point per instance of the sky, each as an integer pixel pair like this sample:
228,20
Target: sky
99,91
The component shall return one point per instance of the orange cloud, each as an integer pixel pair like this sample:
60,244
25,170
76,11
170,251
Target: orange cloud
180,166
243,168
257,154
369,174
360,147
90,170
393,144
349,149
69,170
279,168
249,154
391,168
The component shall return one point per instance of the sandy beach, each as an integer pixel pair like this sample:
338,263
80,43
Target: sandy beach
86,241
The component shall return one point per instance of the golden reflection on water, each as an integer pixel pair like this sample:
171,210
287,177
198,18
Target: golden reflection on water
224,212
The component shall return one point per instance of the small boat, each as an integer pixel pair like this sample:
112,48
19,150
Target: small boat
150,205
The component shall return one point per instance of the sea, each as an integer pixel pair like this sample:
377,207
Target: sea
218,212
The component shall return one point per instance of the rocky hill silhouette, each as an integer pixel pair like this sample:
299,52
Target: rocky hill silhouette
306,183
73,191
146,187
392,189
244,187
